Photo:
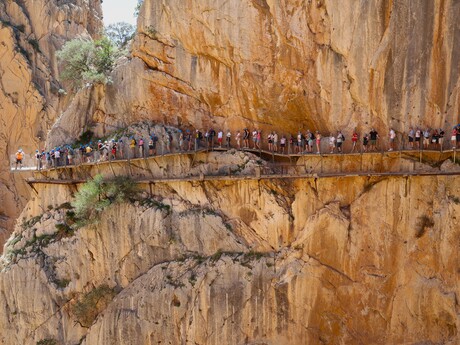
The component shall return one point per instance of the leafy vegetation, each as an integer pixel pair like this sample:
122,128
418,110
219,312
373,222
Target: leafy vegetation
86,61
91,304
96,195
120,33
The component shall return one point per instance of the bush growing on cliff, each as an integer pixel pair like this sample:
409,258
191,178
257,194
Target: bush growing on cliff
97,194
90,305
86,61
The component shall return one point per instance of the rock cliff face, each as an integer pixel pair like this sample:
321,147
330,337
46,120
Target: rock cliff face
31,32
286,64
326,260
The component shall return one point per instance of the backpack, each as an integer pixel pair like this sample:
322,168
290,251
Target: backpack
200,135
155,138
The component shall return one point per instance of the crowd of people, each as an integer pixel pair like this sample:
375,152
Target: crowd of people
303,142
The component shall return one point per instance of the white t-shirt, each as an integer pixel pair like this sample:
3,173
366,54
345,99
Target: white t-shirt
392,134
219,135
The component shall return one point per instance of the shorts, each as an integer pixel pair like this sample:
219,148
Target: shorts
18,161
373,142
453,138
417,138
339,144
283,145
219,140
392,140
411,139
151,147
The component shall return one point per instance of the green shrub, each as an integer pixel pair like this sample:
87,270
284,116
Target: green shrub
96,195
91,304
87,61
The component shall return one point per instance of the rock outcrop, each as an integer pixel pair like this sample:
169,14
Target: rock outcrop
30,94
311,260
285,64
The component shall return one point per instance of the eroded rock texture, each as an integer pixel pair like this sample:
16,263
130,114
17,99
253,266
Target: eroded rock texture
330,260
31,32
287,64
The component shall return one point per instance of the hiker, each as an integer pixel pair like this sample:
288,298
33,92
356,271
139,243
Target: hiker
373,136
70,155
57,157
354,140
19,158
331,143
198,138
340,139
167,143
141,147
411,138
88,151
38,159
238,140
283,143
188,139
228,138
132,147
365,142
318,142
275,141
308,141
270,141
246,138
113,149
418,135
392,136
259,140
254,138
212,135
299,142
220,134
48,160
426,138
435,139
441,138
153,144
181,141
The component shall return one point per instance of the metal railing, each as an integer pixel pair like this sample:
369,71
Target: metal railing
127,153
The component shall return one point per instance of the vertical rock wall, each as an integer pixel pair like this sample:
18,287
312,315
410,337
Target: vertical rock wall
31,32
285,64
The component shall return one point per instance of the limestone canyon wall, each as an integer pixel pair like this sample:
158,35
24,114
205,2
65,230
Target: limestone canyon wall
284,64
31,31
351,260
